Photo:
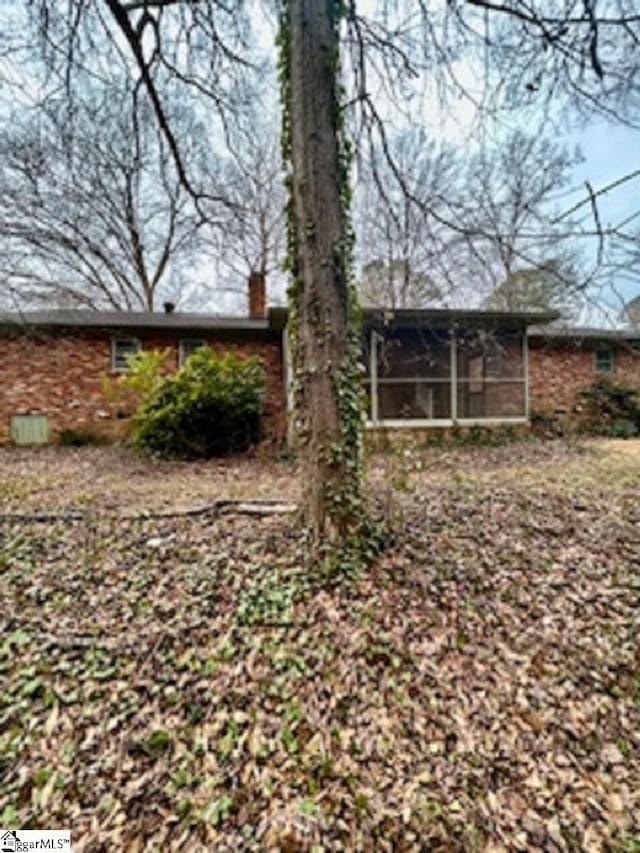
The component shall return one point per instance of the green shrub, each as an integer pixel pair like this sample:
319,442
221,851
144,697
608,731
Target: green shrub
145,375
612,408
623,428
210,407
82,438
146,371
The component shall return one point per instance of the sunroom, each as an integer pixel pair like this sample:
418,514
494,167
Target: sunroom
446,368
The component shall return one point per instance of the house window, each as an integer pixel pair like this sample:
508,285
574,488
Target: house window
490,375
438,376
121,350
603,360
409,375
188,346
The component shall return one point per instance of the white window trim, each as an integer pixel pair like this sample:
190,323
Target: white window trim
114,345
181,347
404,423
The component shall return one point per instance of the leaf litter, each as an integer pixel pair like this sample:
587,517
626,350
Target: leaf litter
477,689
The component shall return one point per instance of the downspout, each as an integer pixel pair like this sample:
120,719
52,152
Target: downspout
525,367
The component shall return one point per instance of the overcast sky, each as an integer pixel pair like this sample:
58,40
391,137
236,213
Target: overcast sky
610,151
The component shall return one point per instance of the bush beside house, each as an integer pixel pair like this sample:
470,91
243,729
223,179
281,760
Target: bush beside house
211,406
612,408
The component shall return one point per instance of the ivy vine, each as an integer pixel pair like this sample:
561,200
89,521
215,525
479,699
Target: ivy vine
361,538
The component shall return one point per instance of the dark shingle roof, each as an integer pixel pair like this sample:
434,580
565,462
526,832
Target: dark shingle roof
438,317
538,322
456,316
581,333
73,318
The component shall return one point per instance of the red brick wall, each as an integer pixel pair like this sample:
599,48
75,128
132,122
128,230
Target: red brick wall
558,371
62,375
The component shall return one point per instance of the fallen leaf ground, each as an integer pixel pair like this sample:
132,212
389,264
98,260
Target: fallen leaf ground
176,683
112,479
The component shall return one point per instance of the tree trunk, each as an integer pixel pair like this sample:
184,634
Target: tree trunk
321,309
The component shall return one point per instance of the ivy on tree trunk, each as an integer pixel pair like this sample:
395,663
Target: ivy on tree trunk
324,321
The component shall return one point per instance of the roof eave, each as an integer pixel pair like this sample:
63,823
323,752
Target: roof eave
456,317
37,321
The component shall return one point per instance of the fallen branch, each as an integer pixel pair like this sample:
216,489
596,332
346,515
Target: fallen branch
223,506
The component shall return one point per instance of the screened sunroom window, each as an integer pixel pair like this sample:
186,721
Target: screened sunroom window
490,375
426,375
412,375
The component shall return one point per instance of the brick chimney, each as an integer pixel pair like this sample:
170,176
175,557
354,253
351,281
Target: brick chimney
257,296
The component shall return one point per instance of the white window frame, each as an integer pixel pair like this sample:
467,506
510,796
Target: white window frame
114,352
182,357
416,423
612,365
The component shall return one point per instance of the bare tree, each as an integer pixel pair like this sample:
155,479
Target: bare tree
253,239
501,203
397,284
511,191
404,249
580,55
561,66
92,213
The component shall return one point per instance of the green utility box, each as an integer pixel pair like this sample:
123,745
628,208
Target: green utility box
29,429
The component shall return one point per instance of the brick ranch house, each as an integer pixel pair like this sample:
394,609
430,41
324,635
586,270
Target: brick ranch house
563,361
423,369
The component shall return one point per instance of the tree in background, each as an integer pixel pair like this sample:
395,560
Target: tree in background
458,224
510,191
253,239
545,287
404,247
623,267
113,73
396,284
92,211
630,314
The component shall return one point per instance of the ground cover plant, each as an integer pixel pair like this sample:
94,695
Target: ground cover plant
177,683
